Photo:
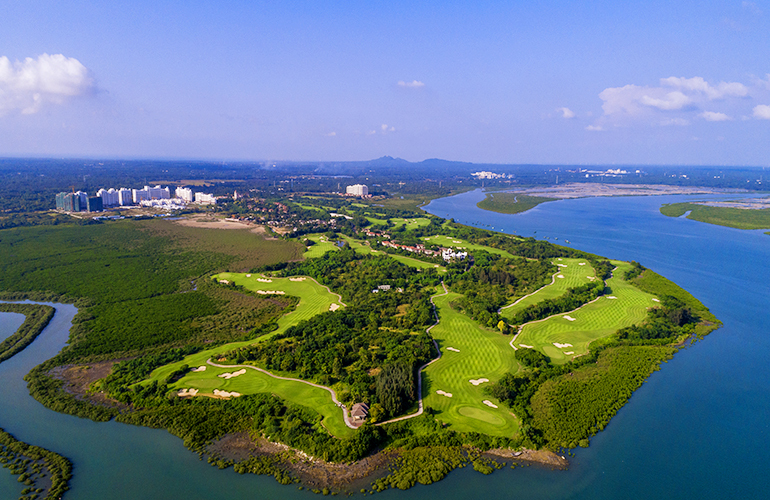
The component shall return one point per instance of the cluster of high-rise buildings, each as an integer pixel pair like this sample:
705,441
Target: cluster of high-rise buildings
148,196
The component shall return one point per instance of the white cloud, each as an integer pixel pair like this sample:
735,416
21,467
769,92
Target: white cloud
414,84
28,85
595,128
762,112
713,116
385,129
671,101
699,85
679,122
566,113
331,134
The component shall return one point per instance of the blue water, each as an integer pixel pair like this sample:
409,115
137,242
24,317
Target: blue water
697,429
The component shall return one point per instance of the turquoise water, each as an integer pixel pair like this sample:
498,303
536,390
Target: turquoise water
9,323
697,429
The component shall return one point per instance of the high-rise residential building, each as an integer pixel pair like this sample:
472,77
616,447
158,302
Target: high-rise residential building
158,193
109,197
139,194
94,204
185,194
205,199
357,190
71,202
125,197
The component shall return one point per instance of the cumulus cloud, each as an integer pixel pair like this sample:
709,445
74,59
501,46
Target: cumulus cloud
670,101
713,116
414,84
595,128
28,85
699,85
385,129
566,113
762,112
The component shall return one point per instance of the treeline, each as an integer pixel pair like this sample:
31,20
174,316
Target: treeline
29,462
572,299
36,319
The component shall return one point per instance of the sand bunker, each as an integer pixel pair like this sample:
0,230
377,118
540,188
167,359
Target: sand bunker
264,280
582,264
334,307
455,241
560,276
225,282
225,394
199,369
228,376
187,392
248,276
478,381
270,292
655,300
454,349
561,346
442,393
568,317
591,278
569,352
562,265
559,258
489,403
611,297
527,346
297,279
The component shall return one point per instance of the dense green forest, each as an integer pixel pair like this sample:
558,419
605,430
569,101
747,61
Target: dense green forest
36,319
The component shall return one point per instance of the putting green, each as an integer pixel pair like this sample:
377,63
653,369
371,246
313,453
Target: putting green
593,321
482,354
574,272
446,241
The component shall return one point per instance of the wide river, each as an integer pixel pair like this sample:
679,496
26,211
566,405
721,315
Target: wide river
698,428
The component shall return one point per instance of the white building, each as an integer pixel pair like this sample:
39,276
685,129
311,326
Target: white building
185,193
109,197
125,197
205,199
138,195
448,254
158,193
357,190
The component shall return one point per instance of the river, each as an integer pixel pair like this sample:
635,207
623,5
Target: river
695,429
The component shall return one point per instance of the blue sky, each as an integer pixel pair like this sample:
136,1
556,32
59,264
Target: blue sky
502,82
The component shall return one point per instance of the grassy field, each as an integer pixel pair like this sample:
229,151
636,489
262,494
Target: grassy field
411,223
574,272
416,263
722,216
322,245
482,353
593,321
510,203
446,241
314,299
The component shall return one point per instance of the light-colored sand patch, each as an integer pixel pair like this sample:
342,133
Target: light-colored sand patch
302,278
199,369
582,264
455,241
225,282
271,292
478,381
436,265
568,317
187,392
611,297
562,265
225,394
489,403
453,349
560,276
228,375
559,258
248,276
264,280
442,393
334,307
655,300
561,346
525,345
591,278
569,352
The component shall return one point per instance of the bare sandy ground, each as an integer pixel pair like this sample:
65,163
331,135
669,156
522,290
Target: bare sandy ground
208,223
586,190
453,349
442,393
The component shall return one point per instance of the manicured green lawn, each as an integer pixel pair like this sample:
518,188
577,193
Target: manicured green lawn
575,272
322,245
593,321
416,263
446,241
411,223
483,354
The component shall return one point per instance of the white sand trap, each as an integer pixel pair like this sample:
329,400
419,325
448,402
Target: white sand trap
478,381
455,241
270,292
562,265
570,352
228,376
582,264
297,279
225,282
489,403
559,258
187,392
560,276
264,280
334,307
225,394
655,300
453,349
442,393
436,265
561,346
591,278
248,276
568,317
199,369
611,297
527,346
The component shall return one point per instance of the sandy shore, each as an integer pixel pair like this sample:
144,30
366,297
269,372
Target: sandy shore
590,190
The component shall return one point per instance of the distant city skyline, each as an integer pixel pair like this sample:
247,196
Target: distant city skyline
605,83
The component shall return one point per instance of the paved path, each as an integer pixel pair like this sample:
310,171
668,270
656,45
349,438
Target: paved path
553,280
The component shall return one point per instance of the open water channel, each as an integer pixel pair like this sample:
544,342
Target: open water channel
699,428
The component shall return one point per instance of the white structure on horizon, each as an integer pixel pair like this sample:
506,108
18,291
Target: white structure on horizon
357,190
205,199
185,193
109,197
448,254
125,197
